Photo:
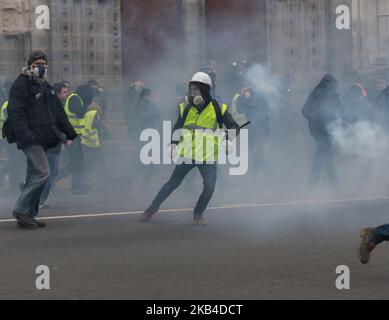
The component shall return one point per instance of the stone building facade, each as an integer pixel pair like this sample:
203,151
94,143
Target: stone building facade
122,39
304,42
83,42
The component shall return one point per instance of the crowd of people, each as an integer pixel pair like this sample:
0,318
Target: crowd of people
44,121
83,107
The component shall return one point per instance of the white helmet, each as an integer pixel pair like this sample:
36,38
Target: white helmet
202,77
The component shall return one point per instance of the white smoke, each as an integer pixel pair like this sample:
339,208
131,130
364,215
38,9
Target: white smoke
263,80
364,140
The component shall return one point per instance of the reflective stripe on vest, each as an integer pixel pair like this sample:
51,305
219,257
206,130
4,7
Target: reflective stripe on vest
201,137
240,118
77,123
3,117
90,138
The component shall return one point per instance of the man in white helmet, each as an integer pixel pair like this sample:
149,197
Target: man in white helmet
201,112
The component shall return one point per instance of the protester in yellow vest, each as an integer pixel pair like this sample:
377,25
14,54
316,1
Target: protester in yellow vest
91,136
77,122
202,112
95,129
76,107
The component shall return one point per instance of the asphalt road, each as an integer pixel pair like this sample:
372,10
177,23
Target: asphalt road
274,250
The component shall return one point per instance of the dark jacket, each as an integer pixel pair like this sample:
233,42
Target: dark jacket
322,107
29,115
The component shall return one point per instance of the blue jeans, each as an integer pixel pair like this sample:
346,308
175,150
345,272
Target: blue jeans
381,234
53,165
38,173
208,173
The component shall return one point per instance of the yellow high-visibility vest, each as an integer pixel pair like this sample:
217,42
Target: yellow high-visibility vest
201,141
91,137
77,123
3,117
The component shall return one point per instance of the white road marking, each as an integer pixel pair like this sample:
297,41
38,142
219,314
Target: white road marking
222,207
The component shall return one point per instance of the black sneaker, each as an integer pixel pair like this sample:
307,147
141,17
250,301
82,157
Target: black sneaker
25,221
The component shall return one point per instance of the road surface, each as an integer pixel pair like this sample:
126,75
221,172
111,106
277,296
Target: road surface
267,250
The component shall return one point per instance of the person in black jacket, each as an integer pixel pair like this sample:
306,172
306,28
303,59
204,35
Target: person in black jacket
38,122
321,109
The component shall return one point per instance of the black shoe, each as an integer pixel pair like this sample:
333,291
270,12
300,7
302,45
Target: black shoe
25,221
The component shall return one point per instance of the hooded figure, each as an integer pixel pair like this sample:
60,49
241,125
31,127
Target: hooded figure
323,107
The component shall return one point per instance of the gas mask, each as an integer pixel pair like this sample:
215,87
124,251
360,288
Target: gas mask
39,71
195,96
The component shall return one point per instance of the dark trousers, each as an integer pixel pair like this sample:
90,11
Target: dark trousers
208,173
75,166
38,173
323,160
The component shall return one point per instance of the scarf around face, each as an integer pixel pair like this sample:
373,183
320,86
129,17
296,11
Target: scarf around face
30,75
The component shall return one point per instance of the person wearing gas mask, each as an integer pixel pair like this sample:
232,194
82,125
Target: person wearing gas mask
36,122
201,112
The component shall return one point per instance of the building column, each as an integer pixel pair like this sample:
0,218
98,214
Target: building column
194,21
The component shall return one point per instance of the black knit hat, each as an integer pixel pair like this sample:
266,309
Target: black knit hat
36,55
